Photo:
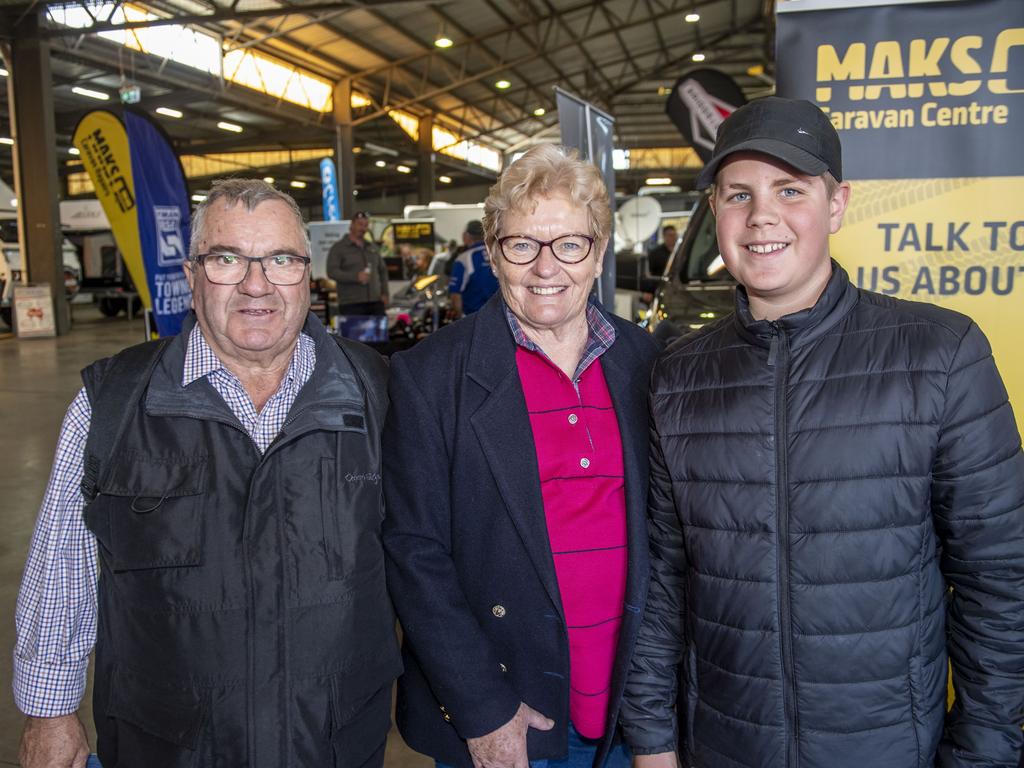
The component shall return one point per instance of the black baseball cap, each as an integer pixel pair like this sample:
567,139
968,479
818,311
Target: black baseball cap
794,131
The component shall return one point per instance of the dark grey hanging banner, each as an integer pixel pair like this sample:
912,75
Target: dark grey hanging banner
592,132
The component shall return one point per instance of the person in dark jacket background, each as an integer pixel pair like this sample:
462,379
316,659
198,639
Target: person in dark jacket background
837,502
516,478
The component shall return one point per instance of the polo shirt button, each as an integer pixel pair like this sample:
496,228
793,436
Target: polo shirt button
502,667
573,418
498,611
584,462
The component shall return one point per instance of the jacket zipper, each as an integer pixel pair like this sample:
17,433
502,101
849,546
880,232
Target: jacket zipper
778,357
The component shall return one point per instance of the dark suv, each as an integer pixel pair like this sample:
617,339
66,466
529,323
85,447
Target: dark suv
696,288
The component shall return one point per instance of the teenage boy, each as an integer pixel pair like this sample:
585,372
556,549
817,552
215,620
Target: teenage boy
837,502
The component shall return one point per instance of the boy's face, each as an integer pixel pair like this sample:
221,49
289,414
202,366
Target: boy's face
773,228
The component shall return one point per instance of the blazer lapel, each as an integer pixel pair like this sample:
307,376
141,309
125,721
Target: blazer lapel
502,427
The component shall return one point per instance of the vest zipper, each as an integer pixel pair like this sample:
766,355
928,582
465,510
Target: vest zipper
778,357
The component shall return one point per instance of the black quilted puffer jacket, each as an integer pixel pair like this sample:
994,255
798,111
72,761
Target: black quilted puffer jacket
837,506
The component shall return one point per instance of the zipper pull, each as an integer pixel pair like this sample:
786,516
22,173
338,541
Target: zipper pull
773,348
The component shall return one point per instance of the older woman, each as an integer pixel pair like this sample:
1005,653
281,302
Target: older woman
516,480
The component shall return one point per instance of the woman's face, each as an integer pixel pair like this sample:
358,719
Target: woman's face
547,295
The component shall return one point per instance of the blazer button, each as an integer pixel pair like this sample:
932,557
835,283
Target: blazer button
447,717
502,667
498,611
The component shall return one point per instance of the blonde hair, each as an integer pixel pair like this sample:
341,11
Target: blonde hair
547,170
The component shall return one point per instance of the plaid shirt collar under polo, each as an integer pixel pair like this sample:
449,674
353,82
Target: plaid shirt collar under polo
262,427
600,336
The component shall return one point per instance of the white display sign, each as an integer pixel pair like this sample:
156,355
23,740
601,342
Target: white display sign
33,311
322,235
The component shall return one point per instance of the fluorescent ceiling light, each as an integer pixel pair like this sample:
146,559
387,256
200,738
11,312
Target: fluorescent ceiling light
502,84
74,151
539,112
403,169
444,42
229,127
296,184
445,179
698,57
197,198
657,181
90,93
14,202
692,18
268,179
168,112
6,140
380,163
4,72
379,149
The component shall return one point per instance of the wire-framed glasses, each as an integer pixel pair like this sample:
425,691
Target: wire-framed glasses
226,268
522,249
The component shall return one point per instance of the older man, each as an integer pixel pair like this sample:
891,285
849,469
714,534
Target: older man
356,265
231,477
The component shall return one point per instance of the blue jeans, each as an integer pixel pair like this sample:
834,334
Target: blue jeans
581,754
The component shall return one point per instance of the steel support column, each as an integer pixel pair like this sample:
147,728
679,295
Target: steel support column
344,159
35,146
425,168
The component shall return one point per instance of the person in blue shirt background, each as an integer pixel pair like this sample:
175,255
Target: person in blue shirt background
472,282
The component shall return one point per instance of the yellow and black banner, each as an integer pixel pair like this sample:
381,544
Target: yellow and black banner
928,99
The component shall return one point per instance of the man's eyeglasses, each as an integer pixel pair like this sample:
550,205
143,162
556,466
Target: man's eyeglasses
522,249
226,268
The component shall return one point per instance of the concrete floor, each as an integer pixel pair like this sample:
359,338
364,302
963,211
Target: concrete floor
38,378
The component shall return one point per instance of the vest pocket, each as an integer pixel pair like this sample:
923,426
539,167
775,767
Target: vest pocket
360,728
149,513
157,726
351,507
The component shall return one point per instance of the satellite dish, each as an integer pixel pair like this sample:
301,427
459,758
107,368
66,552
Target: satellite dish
637,219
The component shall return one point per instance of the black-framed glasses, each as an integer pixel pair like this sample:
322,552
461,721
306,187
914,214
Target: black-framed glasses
226,268
522,249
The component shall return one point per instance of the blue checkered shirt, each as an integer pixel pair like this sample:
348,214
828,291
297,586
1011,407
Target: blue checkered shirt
55,618
600,337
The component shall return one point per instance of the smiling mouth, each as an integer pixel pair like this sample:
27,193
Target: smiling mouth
546,290
256,312
765,249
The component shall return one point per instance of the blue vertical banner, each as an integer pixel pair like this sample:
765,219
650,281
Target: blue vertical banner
329,187
141,185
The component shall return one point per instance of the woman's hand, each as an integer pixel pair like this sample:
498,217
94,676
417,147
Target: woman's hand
506,746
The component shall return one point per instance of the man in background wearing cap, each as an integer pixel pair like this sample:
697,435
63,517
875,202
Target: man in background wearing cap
355,264
472,282
837,502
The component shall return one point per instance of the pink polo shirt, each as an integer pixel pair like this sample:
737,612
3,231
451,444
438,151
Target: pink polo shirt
579,458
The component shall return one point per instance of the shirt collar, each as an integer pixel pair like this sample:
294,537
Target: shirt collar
600,335
201,360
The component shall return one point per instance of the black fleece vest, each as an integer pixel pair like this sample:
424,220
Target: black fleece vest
243,616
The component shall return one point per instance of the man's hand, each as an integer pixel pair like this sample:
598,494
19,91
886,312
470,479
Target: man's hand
506,746
384,299
53,742
660,760
363,276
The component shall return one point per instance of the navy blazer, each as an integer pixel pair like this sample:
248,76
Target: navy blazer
469,563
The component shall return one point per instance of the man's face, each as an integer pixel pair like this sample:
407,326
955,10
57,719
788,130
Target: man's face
669,236
254,321
357,229
773,228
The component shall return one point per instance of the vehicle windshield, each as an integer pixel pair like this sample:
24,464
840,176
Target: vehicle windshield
703,262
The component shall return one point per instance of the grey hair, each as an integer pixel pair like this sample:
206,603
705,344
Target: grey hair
547,170
248,192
